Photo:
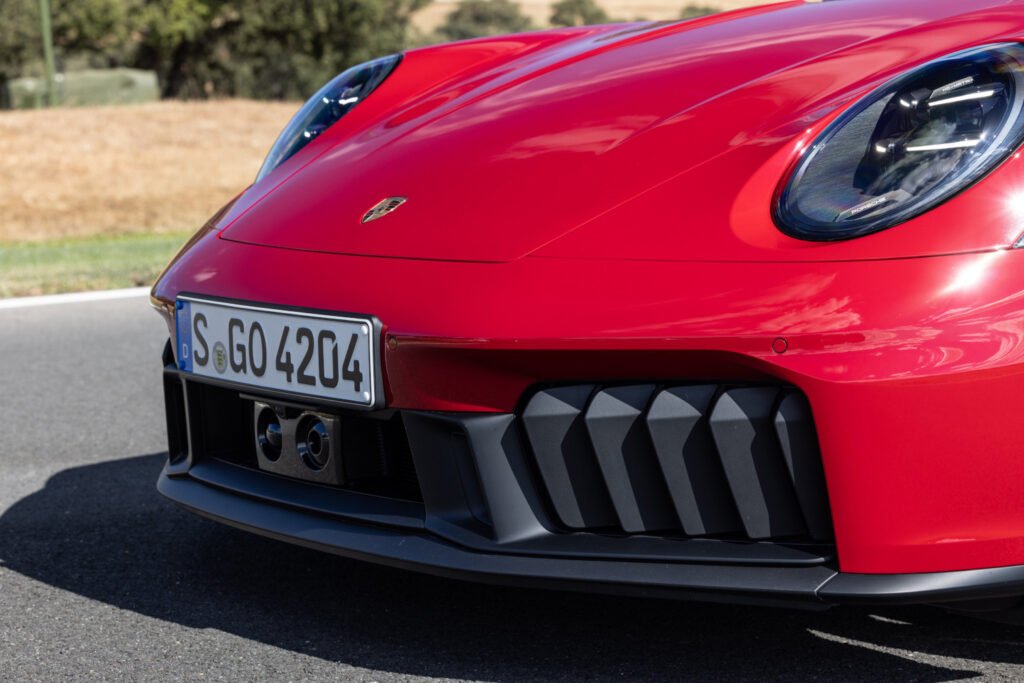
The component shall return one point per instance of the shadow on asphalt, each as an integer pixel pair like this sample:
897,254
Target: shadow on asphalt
103,532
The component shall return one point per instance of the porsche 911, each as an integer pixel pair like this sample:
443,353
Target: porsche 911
725,309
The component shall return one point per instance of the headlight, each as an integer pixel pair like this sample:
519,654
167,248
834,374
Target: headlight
909,146
325,108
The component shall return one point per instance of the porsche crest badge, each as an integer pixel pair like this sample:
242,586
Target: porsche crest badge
383,208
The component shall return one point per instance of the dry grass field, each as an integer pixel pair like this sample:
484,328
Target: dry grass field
433,15
154,168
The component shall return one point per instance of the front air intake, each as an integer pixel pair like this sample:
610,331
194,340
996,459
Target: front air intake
695,460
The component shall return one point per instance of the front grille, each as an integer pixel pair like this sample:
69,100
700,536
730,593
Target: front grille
718,461
693,474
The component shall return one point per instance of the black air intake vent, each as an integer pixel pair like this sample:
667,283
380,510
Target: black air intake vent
697,461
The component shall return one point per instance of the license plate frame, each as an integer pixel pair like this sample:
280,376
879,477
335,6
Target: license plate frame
369,398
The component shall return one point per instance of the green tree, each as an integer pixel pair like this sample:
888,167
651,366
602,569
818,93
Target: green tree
577,13
20,43
101,30
692,11
475,18
266,48
204,48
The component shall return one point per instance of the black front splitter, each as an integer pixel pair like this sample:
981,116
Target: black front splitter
809,587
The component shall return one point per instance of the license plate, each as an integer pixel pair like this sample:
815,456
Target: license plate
321,355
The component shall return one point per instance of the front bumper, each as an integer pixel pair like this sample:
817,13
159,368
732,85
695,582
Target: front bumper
913,367
481,511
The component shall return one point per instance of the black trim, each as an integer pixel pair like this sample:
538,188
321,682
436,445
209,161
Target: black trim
792,586
933,588
476,480
814,587
320,500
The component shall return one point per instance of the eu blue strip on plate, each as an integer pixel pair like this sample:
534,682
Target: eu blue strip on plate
183,326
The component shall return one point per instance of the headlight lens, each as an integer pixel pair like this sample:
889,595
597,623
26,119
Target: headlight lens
909,146
325,108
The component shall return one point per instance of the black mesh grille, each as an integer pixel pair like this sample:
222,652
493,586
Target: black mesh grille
377,459
220,425
695,460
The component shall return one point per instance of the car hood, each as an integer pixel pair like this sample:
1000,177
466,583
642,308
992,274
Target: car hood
644,141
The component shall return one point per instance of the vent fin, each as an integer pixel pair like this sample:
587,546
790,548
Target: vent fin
794,426
554,426
679,427
615,421
743,427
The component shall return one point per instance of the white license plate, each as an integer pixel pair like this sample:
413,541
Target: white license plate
313,354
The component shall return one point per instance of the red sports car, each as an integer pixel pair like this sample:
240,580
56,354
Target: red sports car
728,309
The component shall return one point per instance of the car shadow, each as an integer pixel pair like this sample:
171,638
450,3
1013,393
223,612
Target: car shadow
102,531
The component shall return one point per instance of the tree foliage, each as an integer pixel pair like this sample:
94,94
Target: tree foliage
693,11
475,18
201,48
19,36
577,13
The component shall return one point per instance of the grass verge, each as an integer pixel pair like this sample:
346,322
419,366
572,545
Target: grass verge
81,264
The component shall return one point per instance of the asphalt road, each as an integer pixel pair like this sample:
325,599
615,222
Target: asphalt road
102,579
